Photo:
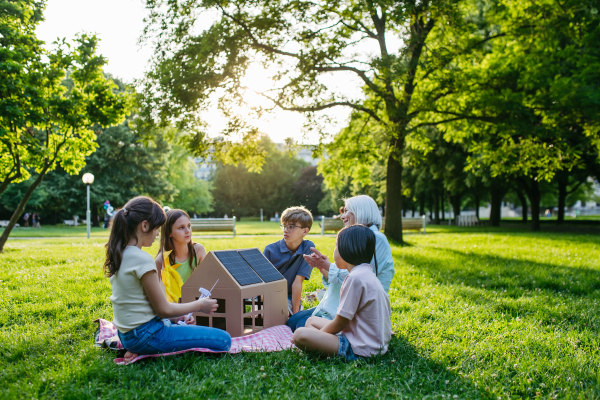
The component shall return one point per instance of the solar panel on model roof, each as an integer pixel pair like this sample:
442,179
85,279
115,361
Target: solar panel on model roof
259,263
238,267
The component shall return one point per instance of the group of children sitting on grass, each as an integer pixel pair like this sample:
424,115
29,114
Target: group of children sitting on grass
148,323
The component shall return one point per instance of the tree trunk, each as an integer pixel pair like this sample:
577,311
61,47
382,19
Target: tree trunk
532,188
422,205
393,197
497,193
563,180
20,208
436,207
443,205
477,201
523,201
535,205
455,201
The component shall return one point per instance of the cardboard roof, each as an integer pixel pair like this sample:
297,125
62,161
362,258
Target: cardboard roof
238,268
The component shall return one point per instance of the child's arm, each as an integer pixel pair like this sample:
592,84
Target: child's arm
337,325
159,264
200,252
297,293
156,294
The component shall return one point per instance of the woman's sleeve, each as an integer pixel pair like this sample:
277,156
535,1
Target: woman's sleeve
336,275
385,262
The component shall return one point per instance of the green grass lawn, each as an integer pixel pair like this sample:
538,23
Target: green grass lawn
242,228
476,314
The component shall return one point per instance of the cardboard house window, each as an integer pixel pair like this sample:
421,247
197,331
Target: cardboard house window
253,314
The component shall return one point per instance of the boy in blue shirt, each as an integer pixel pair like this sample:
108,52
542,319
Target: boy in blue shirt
287,255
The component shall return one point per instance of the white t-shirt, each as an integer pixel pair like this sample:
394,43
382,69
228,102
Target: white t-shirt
131,307
364,302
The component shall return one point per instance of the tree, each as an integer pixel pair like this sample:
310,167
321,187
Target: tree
191,194
63,135
307,189
526,93
241,192
20,90
306,41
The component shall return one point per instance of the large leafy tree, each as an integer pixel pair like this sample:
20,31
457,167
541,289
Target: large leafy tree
307,41
65,112
531,95
20,86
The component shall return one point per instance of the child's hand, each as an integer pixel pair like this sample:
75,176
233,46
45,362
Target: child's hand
208,306
189,321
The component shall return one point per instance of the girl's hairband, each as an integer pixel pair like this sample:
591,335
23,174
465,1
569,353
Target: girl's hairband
125,211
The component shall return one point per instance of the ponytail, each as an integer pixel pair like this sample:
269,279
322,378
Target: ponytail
124,228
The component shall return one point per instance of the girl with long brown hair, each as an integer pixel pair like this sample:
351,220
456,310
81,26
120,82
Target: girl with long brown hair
176,236
138,298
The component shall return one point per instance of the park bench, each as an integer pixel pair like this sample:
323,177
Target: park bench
335,224
4,224
213,224
467,220
411,224
330,224
70,222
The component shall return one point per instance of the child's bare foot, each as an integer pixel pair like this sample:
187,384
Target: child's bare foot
130,356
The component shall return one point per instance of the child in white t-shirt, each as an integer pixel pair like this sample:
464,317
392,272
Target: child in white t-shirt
139,299
362,326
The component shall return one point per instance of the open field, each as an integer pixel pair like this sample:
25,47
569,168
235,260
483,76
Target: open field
242,228
272,228
476,313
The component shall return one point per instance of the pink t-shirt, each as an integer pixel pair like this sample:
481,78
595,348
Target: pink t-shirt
364,302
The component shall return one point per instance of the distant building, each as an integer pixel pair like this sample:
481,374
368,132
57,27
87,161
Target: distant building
205,168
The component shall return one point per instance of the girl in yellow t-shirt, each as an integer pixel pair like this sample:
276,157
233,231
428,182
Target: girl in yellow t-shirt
178,255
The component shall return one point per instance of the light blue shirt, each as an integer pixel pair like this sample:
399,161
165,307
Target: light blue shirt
328,306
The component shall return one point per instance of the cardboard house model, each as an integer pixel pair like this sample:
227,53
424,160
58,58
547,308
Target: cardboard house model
251,293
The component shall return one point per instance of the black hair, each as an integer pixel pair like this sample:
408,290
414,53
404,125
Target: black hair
166,242
124,226
356,244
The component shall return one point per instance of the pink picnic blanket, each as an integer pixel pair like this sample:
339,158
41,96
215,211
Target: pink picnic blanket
276,338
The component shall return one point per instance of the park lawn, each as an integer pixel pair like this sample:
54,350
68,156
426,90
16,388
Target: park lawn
476,314
242,228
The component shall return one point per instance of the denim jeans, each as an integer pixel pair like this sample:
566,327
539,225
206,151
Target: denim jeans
298,320
159,336
345,349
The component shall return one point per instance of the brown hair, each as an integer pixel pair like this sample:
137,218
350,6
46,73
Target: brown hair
297,214
124,226
166,242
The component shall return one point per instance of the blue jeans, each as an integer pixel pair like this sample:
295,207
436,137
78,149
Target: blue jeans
158,336
345,349
298,320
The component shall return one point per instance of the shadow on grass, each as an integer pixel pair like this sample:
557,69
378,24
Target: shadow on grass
402,372
512,281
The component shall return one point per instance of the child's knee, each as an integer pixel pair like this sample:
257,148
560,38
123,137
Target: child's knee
225,339
310,321
301,336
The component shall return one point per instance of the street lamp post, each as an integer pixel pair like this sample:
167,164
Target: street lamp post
88,179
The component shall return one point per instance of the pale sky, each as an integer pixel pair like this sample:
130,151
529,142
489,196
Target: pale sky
119,23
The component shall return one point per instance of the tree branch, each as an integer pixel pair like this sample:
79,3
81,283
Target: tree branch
458,118
257,44
357,107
